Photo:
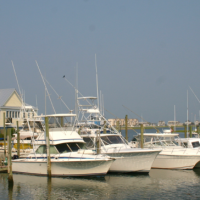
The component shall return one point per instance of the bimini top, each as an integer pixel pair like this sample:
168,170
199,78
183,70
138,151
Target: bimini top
60,115
87,97
160,134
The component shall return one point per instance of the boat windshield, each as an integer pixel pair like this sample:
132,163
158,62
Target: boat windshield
195,144
89,142
69,147
159,141
112,139
43,150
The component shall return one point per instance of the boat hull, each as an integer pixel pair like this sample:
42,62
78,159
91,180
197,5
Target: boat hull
133,161
176,160
62,168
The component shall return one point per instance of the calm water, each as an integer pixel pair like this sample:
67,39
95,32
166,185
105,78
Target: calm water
158,184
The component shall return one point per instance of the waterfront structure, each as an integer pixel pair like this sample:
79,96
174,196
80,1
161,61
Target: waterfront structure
161,123
14,108
174,123
131,122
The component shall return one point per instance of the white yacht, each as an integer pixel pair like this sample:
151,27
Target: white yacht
93,127
172,156
68,155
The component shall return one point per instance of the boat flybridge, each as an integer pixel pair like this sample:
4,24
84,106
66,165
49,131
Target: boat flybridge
188,142
173,155
94,129
69,157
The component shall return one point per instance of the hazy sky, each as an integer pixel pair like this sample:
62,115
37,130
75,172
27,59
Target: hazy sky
148,53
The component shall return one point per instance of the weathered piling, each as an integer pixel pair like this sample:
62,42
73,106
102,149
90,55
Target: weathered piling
142,138
4,130
18,140
190,130
98,142
126,127
198,129
104,127
185,131
48,147
10,176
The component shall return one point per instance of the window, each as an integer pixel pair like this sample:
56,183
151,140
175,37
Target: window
43,150
7,114
89,142
195,144
62,148
112,140
15,114
70,147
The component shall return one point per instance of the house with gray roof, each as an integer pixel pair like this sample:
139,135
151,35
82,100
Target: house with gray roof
12,106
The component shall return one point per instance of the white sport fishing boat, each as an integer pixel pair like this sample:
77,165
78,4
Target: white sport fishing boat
172,156
93,127
68,154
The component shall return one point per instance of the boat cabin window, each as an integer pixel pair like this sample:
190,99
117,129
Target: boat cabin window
43,150
195,144
70,147
154,141
27,138
89,142
185,144
107,131
112,140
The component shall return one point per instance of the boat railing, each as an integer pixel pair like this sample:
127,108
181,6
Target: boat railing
82,154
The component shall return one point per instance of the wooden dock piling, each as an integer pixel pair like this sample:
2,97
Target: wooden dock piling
142,138
198,129
185,131
98,142
18,141
10,176
4,129
104,127
48,147
190,131
126,127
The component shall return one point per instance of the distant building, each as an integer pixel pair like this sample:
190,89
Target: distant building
12,105
161,123
174,123
131,122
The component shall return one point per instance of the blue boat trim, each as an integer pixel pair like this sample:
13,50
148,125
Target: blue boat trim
60,158
60,140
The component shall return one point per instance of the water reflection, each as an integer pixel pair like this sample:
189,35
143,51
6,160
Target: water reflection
165,184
